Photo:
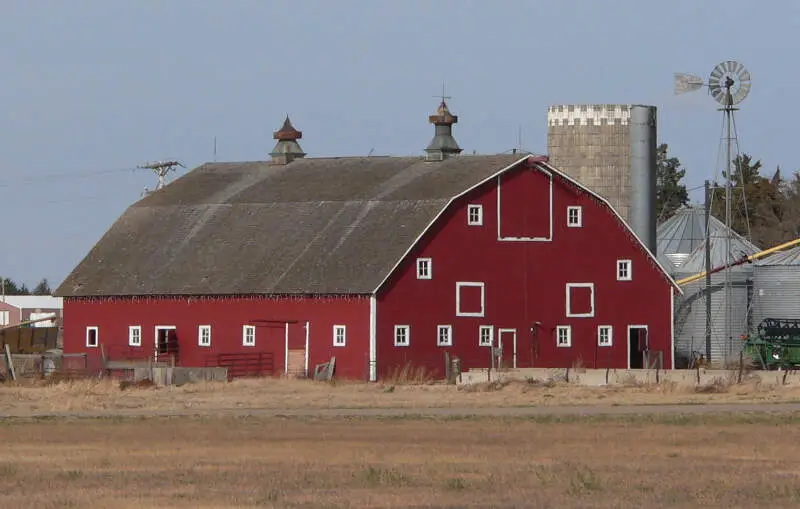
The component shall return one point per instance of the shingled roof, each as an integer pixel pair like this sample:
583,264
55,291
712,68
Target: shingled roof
315,226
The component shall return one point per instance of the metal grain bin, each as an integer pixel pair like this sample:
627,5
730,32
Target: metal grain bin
776,287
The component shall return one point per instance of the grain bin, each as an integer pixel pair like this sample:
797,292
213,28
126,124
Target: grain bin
776,287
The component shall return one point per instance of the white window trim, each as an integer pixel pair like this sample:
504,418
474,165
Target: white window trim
579,211
200,330
474,284
482,328
336,330
568,329
5,317
629,264
569,313
96,330
425,262
610,329
479,212
131,330
407,329
449,329
245,330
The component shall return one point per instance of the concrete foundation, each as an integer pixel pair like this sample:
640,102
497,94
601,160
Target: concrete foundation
627,377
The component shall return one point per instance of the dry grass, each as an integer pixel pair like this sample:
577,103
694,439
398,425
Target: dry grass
94,395
678,462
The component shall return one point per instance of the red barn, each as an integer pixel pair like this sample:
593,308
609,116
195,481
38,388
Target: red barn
382,262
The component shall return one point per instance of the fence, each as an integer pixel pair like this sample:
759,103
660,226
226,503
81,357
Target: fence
244,364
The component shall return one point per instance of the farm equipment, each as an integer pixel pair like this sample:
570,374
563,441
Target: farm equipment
776,344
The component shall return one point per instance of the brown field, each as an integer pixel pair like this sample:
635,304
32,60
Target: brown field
108,397
732,461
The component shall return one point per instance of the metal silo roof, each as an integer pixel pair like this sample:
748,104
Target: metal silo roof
783,258
680,240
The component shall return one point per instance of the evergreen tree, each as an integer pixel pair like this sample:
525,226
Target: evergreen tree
671,194
43,288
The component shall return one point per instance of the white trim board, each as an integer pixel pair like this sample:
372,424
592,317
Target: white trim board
569,312
549,237
373,339
672,327
470,284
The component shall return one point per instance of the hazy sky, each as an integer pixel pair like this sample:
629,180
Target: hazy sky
92,88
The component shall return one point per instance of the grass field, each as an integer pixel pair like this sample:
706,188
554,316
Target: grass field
731,461
107,396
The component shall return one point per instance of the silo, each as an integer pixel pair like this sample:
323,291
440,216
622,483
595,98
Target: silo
776,287
681,234
690,308
591,143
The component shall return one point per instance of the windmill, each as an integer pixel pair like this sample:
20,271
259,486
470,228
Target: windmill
729,83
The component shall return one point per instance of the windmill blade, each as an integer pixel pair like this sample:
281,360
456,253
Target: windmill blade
687,83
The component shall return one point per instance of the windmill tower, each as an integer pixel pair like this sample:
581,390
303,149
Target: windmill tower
729,83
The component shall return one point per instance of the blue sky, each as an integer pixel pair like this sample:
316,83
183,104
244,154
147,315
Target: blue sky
93,88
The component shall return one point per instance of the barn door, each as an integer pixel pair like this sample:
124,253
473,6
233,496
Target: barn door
295,350
507,343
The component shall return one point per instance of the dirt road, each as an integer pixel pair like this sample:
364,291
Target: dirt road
532,411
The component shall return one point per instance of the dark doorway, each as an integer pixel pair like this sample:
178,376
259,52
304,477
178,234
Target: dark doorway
637,345
166,341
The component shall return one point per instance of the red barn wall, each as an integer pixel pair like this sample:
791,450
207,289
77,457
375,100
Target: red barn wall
226,316
524,282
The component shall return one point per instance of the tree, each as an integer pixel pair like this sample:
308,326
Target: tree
758,203
43,288
670,193
11,288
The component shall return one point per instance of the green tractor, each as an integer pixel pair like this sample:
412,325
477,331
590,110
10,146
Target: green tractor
776,344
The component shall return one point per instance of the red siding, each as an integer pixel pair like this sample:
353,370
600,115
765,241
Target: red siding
226,317
525,282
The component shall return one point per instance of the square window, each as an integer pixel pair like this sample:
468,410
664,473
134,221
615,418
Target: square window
92,337
564,336
402,335
605,335
248,335
475,215
339,335
204,335
624,270
444,335
485,335
424,268
135,335
574,217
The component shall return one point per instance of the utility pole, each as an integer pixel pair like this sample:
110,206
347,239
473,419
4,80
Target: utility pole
3,285
708,270
161,169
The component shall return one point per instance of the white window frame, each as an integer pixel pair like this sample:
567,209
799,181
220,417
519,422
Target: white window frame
478,210
337,329
610,340
474,284
5,317
628,267
96,330
424,268
133,332
200,330
407,330
568,330
569,313
247,332
448,330
579,216
481,330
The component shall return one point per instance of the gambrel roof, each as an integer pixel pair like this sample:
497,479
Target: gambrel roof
313,226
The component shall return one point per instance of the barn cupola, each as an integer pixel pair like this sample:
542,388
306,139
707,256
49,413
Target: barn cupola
287,149
443,145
